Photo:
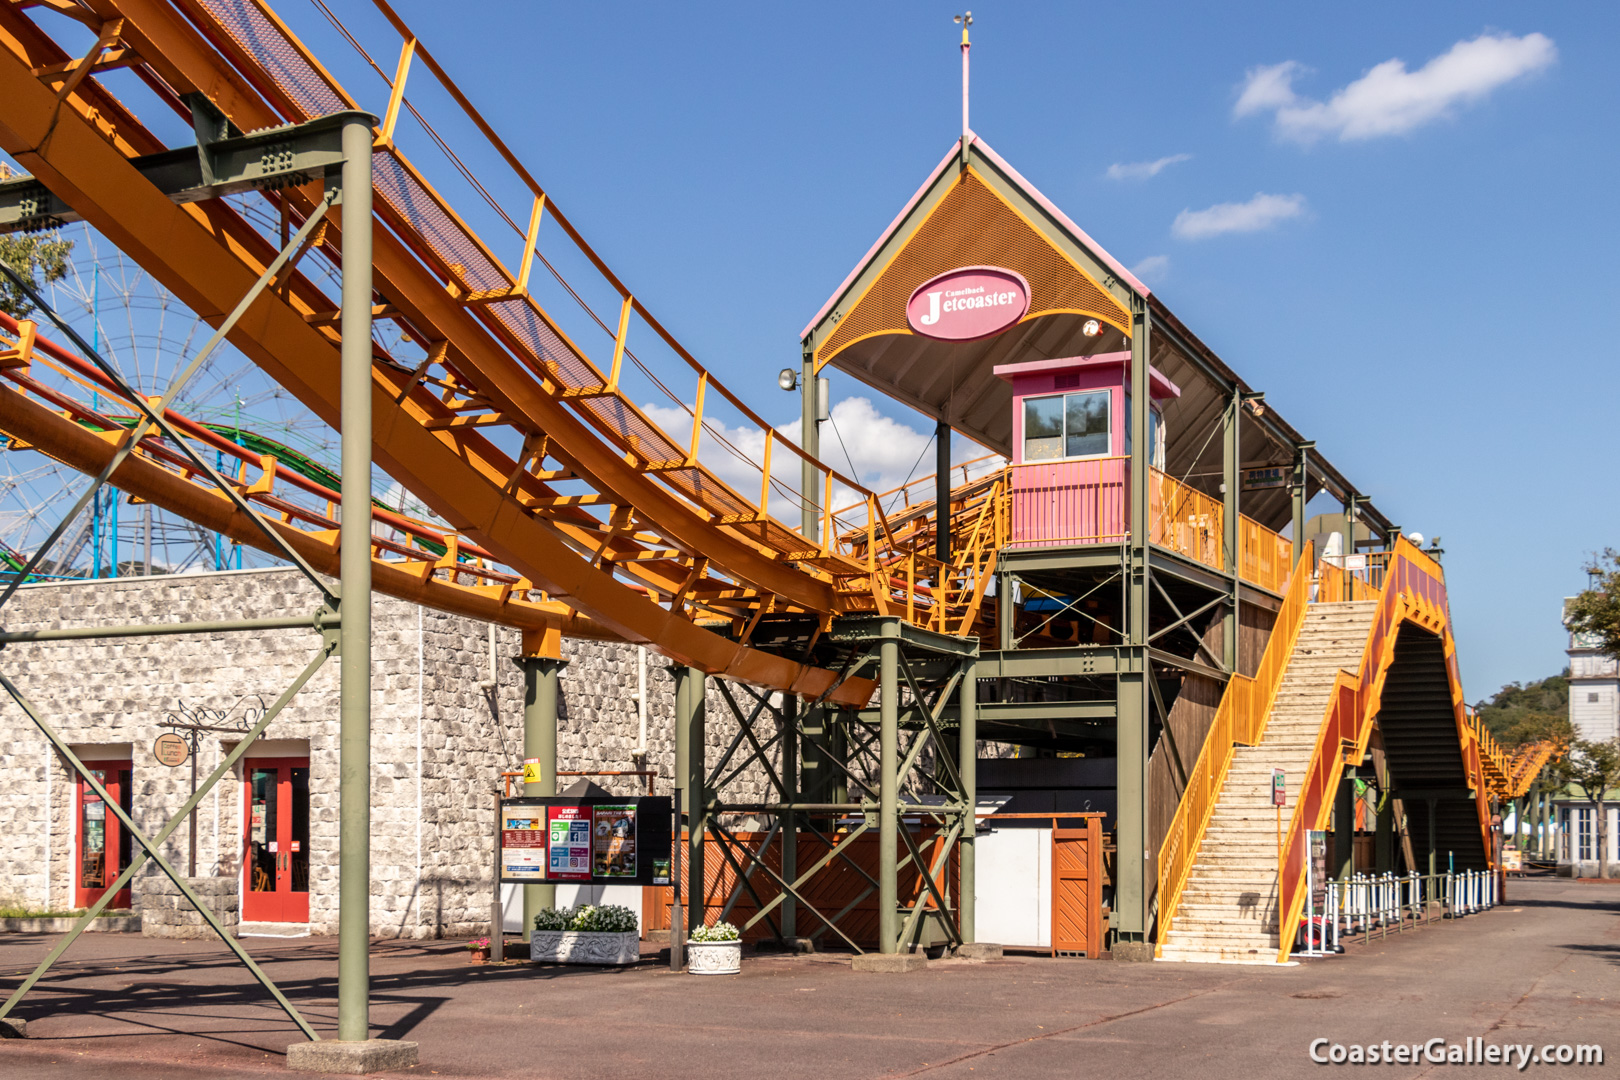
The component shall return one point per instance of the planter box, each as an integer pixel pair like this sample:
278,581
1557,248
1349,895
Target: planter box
582,947
713,957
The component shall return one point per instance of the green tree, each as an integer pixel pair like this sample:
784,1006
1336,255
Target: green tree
41,258
1522,713
1594,768
1595,613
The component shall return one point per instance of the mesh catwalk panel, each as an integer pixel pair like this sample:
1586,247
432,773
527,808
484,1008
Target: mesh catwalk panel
260,38
973,226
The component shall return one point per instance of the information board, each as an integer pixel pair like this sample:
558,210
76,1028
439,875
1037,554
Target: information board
602,841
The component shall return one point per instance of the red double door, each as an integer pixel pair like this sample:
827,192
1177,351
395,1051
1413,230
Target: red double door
275,849
105,846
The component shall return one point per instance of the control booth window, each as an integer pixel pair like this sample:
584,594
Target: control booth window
1066,426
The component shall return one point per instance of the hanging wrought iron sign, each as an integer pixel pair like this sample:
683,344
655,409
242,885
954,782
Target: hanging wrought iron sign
170,749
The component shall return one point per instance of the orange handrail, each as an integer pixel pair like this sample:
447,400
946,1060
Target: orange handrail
1264,558
1185,520
1239,719
1412,590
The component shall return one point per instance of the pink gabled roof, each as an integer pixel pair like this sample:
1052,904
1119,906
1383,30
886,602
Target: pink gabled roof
1018,180
1062,219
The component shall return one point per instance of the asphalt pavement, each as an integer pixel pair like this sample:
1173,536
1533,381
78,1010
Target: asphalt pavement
1541,970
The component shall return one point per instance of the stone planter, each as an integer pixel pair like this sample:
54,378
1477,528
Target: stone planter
584,947
713,957
477,956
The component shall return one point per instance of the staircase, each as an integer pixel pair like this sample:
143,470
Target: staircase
1228,909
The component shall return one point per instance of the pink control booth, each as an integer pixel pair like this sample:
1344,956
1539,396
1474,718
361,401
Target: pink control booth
1072,445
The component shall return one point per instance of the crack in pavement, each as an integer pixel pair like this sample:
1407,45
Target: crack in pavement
1062,1031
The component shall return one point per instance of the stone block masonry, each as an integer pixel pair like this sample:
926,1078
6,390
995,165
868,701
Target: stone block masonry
166,913
444,727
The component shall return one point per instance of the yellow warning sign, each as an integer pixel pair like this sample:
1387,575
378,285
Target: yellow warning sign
531,770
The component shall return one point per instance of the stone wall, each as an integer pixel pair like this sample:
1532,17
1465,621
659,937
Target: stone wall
441,735
166,913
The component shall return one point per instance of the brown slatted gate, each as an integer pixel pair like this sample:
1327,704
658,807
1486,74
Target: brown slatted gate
1077,880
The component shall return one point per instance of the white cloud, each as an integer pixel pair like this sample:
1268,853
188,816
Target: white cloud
1389,99
1261,212
1143,170
1153,269
885,452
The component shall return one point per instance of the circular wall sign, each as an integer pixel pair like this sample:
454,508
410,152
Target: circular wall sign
171,750
968,303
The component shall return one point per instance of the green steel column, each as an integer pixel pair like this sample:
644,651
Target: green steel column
790,820
354,571
1132,889
889,793
1232,507
541,676
1344,826
1434,842
1384,838
967,766
942,492
810,485
1301,492
690,734
1350,503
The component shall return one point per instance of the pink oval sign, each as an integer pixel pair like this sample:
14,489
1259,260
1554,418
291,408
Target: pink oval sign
967,304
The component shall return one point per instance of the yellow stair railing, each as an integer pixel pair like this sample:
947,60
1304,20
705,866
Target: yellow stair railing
1240,719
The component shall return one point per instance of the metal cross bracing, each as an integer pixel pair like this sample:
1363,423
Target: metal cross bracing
500,420
870,841
413,560
346,172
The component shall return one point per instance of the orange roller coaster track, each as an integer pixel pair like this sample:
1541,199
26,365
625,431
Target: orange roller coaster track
503,426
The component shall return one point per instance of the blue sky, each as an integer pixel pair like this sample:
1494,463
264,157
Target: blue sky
1438,312
1392,218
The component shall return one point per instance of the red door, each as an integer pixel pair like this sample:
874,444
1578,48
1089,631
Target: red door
275,860
104,844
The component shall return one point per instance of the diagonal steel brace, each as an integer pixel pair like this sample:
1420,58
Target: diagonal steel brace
153,415
153,847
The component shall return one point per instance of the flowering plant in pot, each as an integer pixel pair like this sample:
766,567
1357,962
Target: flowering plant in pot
478,948
588,934
714,950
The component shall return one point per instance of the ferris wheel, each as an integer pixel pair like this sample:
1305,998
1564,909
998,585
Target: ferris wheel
146,332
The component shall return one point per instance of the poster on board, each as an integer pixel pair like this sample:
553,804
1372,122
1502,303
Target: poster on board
570,843
615,840
523,843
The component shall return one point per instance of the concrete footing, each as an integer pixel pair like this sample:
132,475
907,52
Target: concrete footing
13,1027
889,963
977,950
338,1056
1137,951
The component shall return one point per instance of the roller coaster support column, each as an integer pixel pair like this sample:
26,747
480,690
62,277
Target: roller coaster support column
354,566
1302,493
967,766
1344,825
1133,698
1232,507
690,690
942,495
810,441
889,793
790,819
541,675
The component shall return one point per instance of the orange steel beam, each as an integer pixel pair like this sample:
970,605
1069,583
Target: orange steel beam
475,345
48,431
194,252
